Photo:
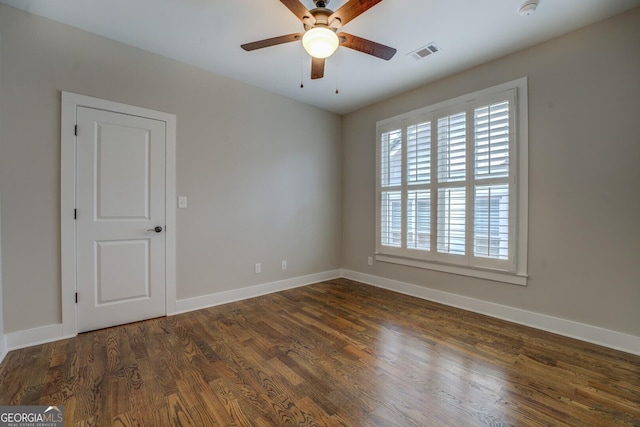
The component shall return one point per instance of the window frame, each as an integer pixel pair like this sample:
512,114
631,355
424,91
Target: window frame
512,270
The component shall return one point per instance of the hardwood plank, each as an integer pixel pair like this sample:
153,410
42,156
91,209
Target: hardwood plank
336,353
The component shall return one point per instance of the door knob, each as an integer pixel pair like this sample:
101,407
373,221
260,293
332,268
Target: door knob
157,229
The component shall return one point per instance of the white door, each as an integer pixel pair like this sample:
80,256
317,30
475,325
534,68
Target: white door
120,223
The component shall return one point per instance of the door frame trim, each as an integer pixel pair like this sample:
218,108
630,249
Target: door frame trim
70,103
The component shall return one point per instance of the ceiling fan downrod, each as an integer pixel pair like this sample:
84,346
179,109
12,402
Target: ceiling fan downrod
321,3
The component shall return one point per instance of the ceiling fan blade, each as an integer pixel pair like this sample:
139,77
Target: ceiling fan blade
317,68
271,42
300,11
366,46
352,9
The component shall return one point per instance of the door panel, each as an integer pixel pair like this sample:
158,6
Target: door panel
122,163
120,190
123,269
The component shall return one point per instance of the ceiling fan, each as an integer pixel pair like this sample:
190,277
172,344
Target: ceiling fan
321,38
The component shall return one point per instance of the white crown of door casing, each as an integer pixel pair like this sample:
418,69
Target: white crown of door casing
70,103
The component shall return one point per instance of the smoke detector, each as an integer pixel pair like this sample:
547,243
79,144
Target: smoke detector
528,8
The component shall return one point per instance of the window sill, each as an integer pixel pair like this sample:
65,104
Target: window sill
498,276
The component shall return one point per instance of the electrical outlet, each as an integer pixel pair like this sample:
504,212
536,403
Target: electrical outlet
370,260
284,264
258,268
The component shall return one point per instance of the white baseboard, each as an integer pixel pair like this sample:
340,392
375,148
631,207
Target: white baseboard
30,337
593,334
218,298
50,333
35,336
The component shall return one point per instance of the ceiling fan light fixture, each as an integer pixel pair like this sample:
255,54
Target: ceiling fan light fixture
320,42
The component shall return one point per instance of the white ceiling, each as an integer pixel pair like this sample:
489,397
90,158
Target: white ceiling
208,35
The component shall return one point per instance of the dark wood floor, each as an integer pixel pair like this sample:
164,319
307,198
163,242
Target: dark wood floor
337,353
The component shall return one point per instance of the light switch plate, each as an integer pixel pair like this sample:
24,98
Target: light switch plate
182,202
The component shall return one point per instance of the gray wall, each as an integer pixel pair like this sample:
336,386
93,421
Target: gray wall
584,167
1,304
238,148
262,172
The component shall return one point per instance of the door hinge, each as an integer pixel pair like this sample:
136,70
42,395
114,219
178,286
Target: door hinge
75,214
76,297
75,130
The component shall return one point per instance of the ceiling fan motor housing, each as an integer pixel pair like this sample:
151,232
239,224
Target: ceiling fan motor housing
321,15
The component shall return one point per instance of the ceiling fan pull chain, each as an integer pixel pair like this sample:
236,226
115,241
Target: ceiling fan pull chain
337,61
301,65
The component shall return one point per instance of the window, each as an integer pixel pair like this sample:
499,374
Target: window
452,185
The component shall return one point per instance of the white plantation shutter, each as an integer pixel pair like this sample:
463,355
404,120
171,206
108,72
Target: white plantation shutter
390,182
448,184
491,221
452,172
452,148
491,165
391,164
418,231
491,140
419,153
451,229
392,218
419,219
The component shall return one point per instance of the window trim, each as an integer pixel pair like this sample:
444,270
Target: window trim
518,177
